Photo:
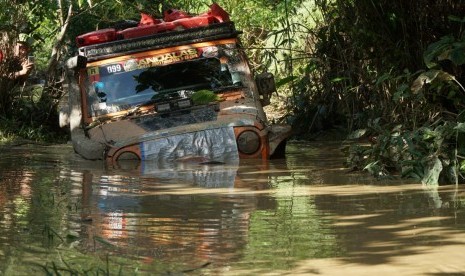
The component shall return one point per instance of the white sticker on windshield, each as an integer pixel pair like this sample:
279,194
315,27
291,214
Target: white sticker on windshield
130,65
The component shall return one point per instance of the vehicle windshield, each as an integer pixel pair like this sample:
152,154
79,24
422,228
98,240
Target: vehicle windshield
124,85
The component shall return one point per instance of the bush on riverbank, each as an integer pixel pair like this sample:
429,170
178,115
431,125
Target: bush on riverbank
393,71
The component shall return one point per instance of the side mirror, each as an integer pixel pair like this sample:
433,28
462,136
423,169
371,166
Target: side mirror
266,86
76,63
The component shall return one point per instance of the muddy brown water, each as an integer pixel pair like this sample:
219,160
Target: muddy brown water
303,215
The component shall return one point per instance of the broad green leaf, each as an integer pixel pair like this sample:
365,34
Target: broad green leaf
437,48
428,77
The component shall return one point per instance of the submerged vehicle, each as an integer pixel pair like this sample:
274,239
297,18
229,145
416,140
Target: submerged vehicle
170,89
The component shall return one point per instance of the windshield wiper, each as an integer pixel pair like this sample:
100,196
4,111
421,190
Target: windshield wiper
227,87
98,122
135,109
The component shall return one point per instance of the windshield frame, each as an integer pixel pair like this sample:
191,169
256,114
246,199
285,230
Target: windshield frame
224,51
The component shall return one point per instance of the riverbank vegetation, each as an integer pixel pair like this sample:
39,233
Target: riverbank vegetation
386,75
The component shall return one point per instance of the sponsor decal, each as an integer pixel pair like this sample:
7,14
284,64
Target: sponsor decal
168,58
146,62
130,65
93,73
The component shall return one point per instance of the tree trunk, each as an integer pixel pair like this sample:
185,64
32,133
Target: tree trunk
55,57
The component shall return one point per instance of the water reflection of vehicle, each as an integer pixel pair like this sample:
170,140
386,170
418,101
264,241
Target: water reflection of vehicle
172,89
189,210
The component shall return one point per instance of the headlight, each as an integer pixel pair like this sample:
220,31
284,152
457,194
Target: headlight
248,142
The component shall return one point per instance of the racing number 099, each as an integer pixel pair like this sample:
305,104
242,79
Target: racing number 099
115,68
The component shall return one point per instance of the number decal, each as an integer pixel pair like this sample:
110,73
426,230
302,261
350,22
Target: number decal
110,69
115,68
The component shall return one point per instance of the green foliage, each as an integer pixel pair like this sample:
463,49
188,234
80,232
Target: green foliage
365,58
429,150
204,97
429,154
394,77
